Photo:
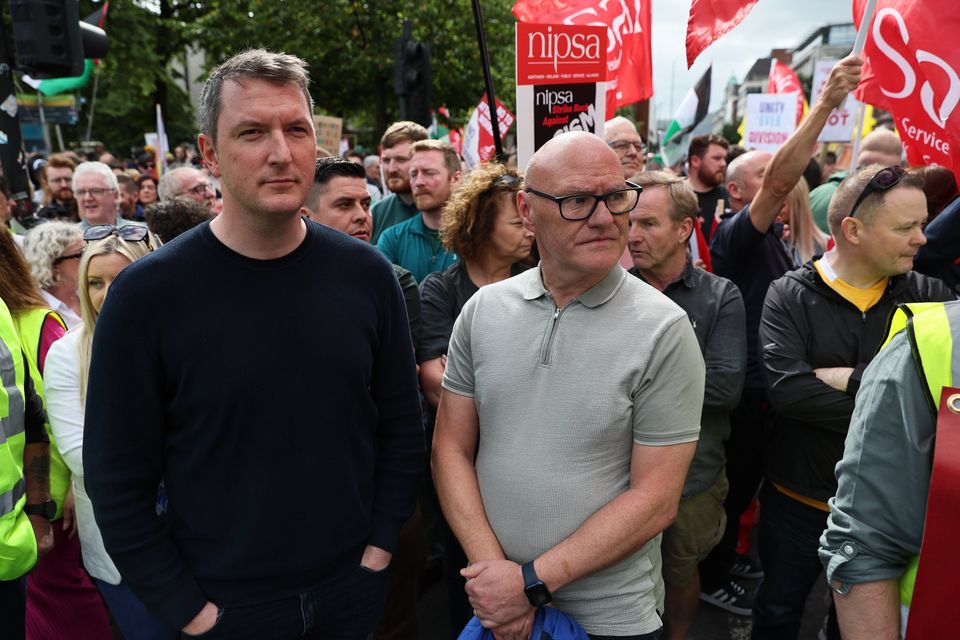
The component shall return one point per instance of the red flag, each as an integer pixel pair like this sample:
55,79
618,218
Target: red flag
783,79
477,143
912,69
710,19
629,68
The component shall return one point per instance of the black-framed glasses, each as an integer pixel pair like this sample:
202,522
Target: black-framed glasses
581,207
199,190
881,181
131,232
622,146
70,256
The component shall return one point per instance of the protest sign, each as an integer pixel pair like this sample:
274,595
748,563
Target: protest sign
561,83
840,123
771,118
329,131
477,144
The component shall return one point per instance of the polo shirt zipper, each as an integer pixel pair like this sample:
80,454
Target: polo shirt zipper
548,343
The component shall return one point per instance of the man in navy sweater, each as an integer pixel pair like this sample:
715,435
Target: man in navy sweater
261,366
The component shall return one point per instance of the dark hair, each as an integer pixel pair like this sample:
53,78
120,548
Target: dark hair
127,181
734,152
939,186
328,168
5,186
143,179
700,144
813,174
169,218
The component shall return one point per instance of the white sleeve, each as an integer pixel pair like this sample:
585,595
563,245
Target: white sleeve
61,390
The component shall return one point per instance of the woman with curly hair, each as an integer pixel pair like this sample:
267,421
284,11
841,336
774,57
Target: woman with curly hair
480,224
61,600
52,250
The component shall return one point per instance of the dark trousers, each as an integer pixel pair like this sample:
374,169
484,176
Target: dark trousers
344,609
399,620
789,539
744,470
13,608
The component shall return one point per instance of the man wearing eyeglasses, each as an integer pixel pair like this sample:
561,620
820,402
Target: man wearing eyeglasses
96,189
564,382
187,182
622,136
820,328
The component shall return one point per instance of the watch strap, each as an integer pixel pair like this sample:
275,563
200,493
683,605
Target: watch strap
529,575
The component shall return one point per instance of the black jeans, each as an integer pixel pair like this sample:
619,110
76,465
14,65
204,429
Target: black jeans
345,609
13,608
789,542
653,635
744,470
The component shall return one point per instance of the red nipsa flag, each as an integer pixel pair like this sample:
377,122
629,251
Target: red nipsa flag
710,19
912,69
629,68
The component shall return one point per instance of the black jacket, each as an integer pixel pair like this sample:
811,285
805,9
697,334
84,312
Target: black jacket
806,325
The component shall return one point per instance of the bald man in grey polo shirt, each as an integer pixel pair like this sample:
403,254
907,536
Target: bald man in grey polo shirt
579,388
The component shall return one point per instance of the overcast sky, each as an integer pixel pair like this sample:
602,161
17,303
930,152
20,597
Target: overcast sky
772,24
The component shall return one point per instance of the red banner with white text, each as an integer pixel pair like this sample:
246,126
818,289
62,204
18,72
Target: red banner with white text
913,70
629,69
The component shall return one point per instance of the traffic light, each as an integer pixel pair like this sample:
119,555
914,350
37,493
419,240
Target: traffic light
51,41
412,77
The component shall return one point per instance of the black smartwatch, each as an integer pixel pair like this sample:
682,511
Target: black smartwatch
46,509
537,592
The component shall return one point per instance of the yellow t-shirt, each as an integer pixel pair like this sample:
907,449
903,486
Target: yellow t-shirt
862,299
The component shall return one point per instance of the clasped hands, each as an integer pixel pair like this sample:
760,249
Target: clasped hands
495,591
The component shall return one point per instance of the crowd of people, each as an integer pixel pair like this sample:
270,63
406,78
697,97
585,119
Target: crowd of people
270,395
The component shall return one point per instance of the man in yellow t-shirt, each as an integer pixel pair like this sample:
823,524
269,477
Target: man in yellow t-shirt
820,327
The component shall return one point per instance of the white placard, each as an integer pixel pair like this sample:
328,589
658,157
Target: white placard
842,120
771,118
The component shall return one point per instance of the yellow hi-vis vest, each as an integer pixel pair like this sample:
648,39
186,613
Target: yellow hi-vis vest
18,546
29,325
930,329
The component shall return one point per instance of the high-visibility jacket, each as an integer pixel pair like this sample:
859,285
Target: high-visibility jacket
29,325
930,328
18,546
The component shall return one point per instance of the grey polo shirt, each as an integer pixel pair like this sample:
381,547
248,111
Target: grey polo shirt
562,396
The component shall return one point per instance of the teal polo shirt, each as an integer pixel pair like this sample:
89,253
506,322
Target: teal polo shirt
415,248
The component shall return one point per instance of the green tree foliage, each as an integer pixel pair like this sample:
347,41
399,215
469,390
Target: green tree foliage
349,45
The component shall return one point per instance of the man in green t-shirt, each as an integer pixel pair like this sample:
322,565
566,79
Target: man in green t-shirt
395,159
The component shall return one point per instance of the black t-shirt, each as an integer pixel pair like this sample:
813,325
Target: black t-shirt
442,296
752,260
708,207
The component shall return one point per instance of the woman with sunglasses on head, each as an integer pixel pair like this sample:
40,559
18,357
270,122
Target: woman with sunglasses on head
53,251
481,225
109,250
62,602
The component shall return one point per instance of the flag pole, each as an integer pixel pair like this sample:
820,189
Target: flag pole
865,24
488,80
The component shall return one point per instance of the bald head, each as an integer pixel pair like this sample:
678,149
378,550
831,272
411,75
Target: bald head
880,146
744,177
568,150
621,135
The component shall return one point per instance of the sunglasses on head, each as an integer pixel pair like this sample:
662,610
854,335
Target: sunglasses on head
507,180
881,181
133,233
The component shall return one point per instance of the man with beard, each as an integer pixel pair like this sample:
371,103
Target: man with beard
707,160
621,136
415,244
58,201
395,157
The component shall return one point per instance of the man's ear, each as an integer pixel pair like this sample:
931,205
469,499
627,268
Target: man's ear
523,210
734,190
686,230
209,154
852,230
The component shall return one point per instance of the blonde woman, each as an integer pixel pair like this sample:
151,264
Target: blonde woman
802,238
109,250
